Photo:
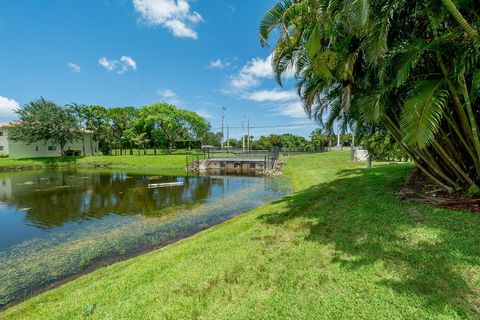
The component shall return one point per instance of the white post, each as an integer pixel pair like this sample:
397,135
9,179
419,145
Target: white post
228,136
243,136
248,134
223,132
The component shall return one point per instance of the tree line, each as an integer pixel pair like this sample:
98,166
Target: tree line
117,130
159,126
411,68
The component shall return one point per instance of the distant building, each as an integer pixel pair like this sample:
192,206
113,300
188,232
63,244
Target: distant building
17,149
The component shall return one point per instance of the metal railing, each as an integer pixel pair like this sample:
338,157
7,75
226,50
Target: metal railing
237,153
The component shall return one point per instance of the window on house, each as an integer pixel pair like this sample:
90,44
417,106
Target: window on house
1,148
1,133
36,148
52,148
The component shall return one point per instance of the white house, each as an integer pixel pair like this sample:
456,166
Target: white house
16,149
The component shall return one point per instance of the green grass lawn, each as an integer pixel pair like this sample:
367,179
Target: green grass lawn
341,246
163,160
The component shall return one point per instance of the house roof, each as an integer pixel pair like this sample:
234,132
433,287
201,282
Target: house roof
7,124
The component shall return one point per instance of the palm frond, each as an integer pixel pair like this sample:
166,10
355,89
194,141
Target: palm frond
375,44
370,107
272,19
475,90
357,13
423,112
405,60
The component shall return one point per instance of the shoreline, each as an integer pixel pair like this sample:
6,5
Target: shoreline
111,258
342,235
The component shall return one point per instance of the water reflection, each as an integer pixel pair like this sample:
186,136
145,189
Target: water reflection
55,224
50,199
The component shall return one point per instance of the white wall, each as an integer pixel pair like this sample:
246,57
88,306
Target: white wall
3,141
41,148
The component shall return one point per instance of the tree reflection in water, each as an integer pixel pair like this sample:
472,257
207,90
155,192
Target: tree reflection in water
54,198
54,224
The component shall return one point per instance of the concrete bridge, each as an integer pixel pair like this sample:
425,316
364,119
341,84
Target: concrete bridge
241,164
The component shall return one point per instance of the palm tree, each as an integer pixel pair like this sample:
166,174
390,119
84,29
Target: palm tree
410,65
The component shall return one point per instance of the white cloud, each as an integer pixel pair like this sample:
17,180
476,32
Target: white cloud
166,93
292,110
74,67
243,81
174,15
8,107
258,67
272,95
281,102
124,64
204,113
107,64
169,96
218,64
254,71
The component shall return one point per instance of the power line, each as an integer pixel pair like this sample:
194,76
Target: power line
276,126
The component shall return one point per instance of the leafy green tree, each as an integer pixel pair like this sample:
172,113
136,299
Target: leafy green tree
174,123
77,110
43,120
234,143
120,120
381,146
321,139
138,139
409,66
97,121
212,138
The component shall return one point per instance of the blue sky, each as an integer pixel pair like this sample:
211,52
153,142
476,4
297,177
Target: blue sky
197,54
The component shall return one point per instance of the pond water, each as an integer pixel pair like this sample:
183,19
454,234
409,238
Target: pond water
55,224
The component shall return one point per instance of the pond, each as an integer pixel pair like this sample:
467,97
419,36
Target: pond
59,223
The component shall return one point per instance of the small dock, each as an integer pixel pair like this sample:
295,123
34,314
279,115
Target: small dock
165,184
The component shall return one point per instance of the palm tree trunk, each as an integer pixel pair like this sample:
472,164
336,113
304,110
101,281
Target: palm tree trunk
410,153
91,144
465,123
452,9
441,151
471,115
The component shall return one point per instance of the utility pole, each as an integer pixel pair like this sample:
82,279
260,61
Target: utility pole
243,136
228,136
223,120
248,134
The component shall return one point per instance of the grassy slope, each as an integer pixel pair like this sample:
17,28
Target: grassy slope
341,246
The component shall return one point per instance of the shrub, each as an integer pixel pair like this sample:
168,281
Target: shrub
382,147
